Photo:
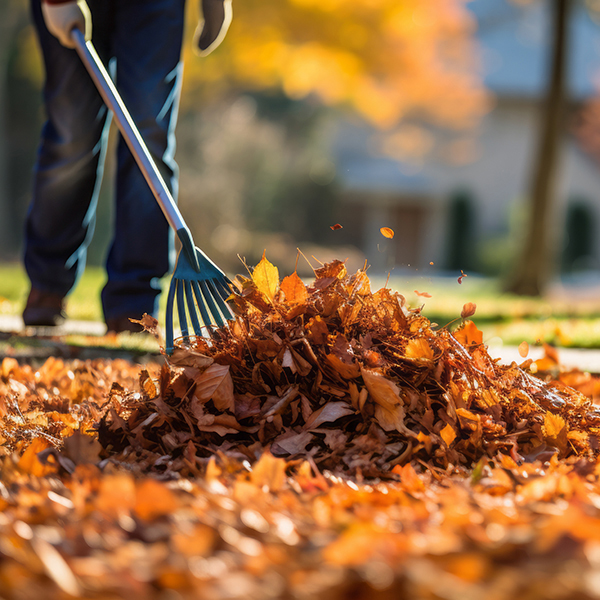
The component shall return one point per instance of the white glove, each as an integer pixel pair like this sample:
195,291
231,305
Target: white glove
62,18
211,31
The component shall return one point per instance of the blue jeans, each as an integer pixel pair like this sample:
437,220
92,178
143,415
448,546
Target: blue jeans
142,40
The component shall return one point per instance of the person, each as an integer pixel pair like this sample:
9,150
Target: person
141,40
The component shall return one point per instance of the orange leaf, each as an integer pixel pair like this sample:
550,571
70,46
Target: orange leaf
266,278
418,348
294,289
423,294
469,335
336,226
387,232
448,434
29,461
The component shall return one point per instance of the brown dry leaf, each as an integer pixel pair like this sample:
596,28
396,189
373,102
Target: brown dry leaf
468,310
208,382
332,411
266,278
387,232
389,409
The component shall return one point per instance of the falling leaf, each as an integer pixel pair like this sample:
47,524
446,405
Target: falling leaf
266,278
336,226
468,310
523,349
423,294
387,232
461,276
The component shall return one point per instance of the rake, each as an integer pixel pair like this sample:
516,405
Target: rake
198,287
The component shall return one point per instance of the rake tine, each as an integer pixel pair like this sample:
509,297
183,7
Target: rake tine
169,318
183,324
208,296
218,296
224,290
192,308
201,304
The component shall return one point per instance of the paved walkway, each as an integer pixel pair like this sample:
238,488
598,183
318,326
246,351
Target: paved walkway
583,359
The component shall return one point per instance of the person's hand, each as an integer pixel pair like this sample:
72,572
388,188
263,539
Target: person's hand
62,18
211,31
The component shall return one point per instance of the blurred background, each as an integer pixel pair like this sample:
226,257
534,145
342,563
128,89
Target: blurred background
471,129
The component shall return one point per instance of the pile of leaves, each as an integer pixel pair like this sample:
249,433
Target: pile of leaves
354,381
332,444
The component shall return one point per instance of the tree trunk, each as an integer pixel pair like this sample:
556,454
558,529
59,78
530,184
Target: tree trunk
534,266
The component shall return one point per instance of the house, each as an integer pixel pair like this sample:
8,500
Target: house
463,215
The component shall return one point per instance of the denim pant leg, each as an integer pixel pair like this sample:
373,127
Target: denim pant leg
67,174
147,47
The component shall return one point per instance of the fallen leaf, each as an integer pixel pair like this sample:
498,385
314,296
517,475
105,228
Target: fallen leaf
266,278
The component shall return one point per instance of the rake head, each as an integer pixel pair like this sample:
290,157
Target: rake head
199,289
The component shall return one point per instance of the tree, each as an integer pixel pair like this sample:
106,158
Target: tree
387,59
533,267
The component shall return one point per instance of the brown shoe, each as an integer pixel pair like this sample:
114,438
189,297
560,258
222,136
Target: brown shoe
44,309
120,324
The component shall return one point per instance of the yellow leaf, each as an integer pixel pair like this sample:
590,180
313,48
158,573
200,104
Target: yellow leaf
555,431
419,348
448,434
553,425
387,232
266,278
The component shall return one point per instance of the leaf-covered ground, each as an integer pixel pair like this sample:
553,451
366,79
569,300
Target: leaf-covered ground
331,444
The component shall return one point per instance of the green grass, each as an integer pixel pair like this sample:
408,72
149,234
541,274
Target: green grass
82,304
513,319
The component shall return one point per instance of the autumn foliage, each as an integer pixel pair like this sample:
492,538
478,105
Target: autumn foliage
386,59
331,443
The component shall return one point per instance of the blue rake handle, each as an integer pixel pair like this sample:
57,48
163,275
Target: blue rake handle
195,274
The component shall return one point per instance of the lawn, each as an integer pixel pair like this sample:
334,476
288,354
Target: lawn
513,319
